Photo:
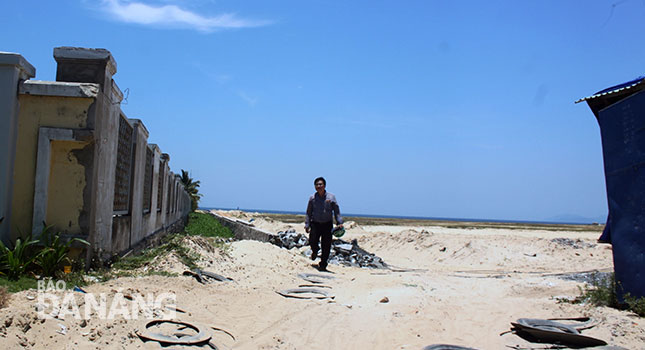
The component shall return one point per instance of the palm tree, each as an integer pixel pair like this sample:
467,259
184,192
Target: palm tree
192,188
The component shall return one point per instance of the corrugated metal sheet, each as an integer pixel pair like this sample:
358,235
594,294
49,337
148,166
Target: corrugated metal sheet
614,89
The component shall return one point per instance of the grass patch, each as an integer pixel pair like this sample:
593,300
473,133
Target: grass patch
170,243
206,225
602,292
23,283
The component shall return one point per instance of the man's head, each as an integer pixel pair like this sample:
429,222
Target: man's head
320,184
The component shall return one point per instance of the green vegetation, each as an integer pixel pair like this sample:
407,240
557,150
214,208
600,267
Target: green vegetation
202,224
44,256
15,261
54,252
170,243
602,292
28,259
199,224
192,187
22,283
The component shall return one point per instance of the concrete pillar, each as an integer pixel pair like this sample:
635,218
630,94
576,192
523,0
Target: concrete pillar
163,216
77,64
151,222
13,69
139,169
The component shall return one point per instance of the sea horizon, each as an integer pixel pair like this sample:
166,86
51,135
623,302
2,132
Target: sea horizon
479,220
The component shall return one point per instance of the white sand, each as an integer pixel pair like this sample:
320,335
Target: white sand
473,283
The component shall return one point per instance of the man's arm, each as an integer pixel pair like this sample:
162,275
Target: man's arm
336,208
308,214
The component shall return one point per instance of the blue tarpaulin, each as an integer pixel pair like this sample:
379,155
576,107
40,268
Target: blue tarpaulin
620,111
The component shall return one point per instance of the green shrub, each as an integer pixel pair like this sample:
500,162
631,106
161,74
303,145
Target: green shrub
54,251
637,305
602,292
15,261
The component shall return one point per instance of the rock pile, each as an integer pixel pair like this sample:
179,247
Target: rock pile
350,254
290,239
575,244
342,252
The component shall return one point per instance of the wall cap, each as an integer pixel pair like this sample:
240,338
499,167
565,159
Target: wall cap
59,88
15,59
82,53
137,123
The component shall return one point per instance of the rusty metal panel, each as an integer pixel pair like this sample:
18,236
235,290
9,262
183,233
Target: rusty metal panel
123,174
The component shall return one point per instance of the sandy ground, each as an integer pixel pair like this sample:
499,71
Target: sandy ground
465,288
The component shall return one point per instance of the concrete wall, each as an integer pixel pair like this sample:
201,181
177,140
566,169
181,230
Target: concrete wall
13,70
67,183
243,230
55,111
63,159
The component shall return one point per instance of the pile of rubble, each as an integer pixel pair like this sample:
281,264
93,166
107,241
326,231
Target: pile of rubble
289,239
342,252
575,244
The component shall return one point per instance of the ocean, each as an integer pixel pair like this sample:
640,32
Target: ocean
405,217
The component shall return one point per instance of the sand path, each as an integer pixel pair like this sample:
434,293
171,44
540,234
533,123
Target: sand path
467,286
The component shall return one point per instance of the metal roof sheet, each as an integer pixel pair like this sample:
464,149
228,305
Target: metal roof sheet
620,87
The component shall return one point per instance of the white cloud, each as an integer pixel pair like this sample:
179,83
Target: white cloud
173,16
248,99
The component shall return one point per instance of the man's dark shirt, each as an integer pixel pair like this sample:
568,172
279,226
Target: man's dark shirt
320,208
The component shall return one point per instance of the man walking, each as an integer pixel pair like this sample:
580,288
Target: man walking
321,210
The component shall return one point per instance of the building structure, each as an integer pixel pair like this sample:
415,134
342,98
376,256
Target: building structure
620,112
71,158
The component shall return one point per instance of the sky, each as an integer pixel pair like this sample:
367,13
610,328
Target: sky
451,109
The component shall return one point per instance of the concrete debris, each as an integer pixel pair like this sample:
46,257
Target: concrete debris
350,254
597,277
342,252
573,243
290,239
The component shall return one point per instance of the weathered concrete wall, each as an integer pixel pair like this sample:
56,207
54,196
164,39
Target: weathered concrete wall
139,164
150,219
36,111
161,220
13,69
97,66
120,228
67,135
243,230
67,183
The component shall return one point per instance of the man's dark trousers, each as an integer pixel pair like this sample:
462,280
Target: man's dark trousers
321,231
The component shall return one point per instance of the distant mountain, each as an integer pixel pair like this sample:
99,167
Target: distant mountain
576,219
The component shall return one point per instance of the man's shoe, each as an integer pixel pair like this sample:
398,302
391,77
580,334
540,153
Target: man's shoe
314,255
322,268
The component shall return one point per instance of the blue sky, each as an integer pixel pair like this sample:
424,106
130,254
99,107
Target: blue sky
459,109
